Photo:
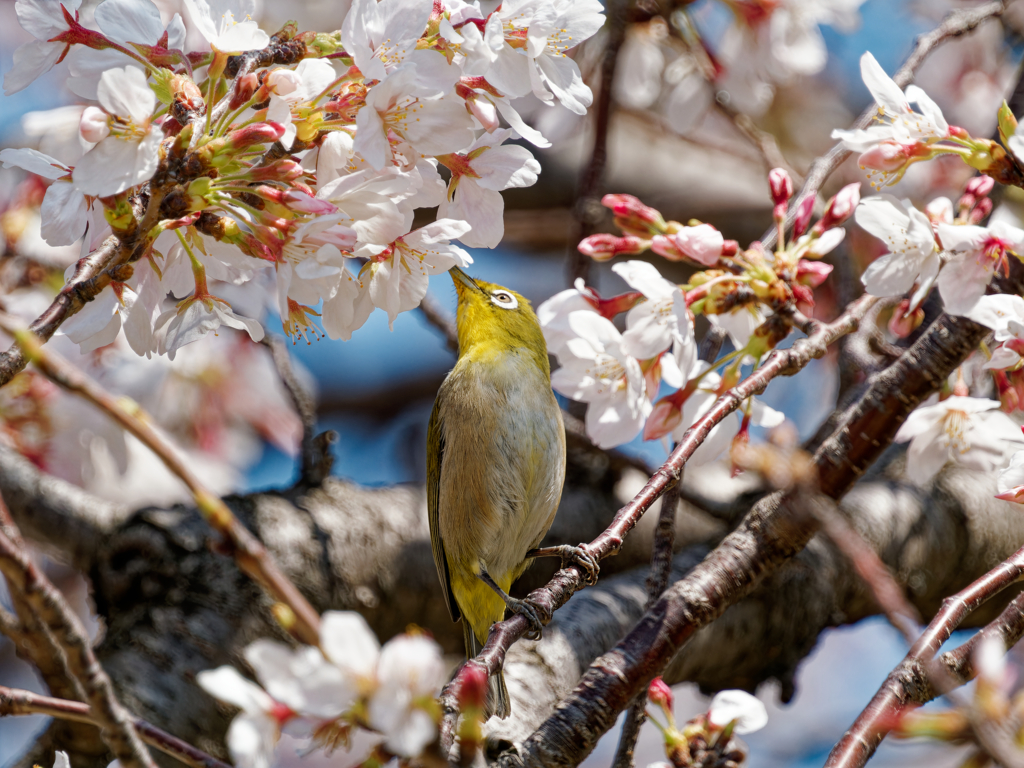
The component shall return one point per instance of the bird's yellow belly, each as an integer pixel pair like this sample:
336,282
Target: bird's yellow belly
500,484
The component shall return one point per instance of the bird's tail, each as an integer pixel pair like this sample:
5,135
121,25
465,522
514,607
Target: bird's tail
497,694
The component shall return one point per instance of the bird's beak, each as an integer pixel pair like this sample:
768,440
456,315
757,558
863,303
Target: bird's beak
463,281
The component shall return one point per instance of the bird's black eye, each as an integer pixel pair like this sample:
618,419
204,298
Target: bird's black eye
504,299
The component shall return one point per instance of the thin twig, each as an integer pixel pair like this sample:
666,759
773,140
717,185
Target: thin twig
657,581
250,554
957,23
50,606
877,719
587,210
568,581
18,702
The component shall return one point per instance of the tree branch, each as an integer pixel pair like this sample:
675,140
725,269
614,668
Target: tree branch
49,605
18,702
248,551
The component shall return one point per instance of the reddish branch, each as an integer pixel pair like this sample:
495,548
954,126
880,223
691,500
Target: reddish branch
299,617
909,683
18,702
47,603
568,581
958,22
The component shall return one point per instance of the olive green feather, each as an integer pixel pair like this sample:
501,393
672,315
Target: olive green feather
435,455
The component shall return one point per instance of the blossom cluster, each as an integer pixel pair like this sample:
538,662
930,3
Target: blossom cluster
301,157
349,693
709,738
746,293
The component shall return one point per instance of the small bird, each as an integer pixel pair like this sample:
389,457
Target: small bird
495,465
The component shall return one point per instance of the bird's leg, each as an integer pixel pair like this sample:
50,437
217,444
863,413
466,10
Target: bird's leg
522,607
572,555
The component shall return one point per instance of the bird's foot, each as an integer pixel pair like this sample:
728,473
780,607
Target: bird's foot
528,611
571,555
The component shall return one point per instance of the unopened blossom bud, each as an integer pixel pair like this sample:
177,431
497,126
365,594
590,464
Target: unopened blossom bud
1008,397
839,208
981,210
803,216
94,125
665,417
283,82
730,247
632,216
781,185
472,687
825,244
803,296
966,201
603,247
187,102
283,170
740,707
939,211
659,693
484,111
812,273
887,156
702,243
980,186
244,89
903,321
258,133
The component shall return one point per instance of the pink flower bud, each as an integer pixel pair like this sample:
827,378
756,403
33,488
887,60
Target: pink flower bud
603,247
803,216
244,90
283,82
300,201
730,247
840,207
472,687
981,210
659,693
94,125
939,211
665,417
484,111
282,170
812,273
702,243
888,156
781,185
980,186
258,133
632,216
904,322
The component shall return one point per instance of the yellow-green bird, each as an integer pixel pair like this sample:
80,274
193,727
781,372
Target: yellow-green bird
495,465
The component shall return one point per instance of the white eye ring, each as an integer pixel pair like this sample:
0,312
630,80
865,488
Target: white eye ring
504,299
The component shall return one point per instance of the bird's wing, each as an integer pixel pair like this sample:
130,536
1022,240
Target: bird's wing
435,458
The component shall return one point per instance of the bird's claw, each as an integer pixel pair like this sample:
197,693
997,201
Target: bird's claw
528,611
585,561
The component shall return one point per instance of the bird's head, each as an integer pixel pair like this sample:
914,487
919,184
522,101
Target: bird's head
492,319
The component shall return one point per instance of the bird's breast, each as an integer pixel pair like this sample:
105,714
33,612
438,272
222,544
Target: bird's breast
503,465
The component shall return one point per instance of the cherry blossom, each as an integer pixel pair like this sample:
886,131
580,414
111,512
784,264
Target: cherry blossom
968,430
253,734
748,712
196,316
44,20
597,370
1010,482
288,87
537,34
978,253
129,154
899,124
1004,314
124,22
478,176
397,273
701,243
660,322
379,36
228,25
64,212
913,254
